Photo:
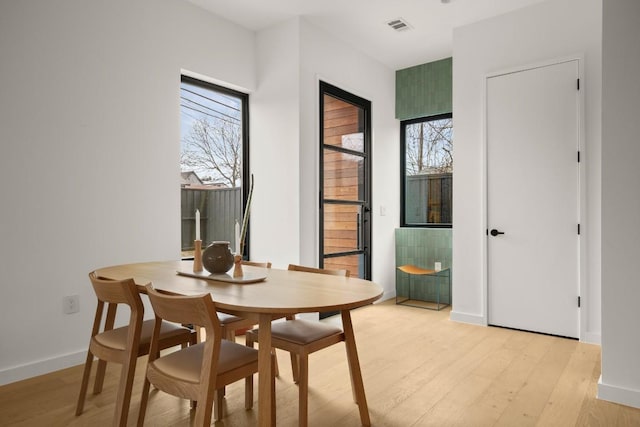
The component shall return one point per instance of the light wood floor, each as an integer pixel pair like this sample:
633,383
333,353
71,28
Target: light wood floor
419,368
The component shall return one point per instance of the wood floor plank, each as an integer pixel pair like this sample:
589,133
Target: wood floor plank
528,399
517,356
566,399
593,412
418,367
436,377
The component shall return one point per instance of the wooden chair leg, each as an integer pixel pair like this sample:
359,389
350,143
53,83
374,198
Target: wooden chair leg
85,383
249,340
124,391
217,406
102,365
97,385
276,371
201,335
193,341
303,390
204,410
143,401
248,392
295,367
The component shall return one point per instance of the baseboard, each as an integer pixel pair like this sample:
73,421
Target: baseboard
623,396
591,338
386,296
473,319
41,367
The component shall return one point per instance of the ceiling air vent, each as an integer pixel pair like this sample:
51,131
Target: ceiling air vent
399,24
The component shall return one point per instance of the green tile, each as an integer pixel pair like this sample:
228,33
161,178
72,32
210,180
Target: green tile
424,90
423,247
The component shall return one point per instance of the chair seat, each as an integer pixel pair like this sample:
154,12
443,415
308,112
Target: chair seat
412,269
186,364
117,338
225,319
302,332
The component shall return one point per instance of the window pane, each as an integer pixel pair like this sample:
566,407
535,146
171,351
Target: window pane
342,231
211,135
353,263
343,124
343,176
428,152
211,153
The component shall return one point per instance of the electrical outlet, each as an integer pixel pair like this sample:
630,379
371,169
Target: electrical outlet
71,304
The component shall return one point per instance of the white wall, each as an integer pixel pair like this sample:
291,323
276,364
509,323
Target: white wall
546,31
89,154
325,58
287,93
274,146
620,381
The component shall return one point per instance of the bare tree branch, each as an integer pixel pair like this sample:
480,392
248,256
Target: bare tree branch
214,145
429,147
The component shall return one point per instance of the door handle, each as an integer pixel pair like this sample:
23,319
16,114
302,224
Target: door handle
358,231
495,232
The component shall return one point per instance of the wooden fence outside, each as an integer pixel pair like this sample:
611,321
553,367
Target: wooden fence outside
219,210
428,199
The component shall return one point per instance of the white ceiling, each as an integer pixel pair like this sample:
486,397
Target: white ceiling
363,23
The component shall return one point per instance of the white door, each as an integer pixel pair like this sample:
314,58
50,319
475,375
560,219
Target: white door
533,198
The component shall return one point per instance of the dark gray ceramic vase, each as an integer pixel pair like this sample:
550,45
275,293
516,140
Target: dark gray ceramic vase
217,258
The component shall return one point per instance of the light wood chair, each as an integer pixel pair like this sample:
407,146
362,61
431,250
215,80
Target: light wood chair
257,264
301,338
201,371
230,323
125,344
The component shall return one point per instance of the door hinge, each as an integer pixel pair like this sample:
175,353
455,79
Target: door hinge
579,302
578,228
578,157
578,84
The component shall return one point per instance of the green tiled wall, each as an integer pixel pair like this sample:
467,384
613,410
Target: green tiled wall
424,90
422,247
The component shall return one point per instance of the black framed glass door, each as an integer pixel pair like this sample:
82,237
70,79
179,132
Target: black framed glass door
345,181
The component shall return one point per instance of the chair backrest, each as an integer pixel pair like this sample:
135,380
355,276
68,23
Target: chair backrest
195,310
294,267
200,311
116,291
257,264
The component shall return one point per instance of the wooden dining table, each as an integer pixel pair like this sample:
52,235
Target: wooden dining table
281,293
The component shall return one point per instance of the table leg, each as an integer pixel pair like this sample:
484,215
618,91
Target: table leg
266,408
354,368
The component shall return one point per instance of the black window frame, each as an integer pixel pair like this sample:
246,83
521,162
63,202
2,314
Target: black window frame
246,174
366,109
403,172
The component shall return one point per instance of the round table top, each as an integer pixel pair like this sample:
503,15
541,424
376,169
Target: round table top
282,292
